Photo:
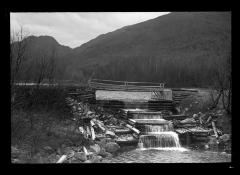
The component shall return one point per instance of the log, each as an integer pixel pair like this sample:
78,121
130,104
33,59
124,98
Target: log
132,121
99,125
92,133
122,131
215,129
132,128
62,159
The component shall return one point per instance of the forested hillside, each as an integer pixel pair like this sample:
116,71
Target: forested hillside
181,49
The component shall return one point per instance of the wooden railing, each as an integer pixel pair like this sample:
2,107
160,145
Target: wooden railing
124,85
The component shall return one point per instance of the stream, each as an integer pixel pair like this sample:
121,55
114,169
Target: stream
186,155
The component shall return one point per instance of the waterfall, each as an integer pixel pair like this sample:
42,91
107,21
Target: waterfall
160,136
162,140
156,128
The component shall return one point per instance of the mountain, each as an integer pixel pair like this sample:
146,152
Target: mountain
180,49
39,49
47,45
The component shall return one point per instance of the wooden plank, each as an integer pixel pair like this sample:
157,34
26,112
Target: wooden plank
132,128
122,86
151,121
92,133
129,82
135,102
122,131
138,106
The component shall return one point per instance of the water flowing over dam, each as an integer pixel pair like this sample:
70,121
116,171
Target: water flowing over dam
160,135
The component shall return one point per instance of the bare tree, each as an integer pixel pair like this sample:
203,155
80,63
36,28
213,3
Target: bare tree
51,66
45,66
18,46
41,65
223,84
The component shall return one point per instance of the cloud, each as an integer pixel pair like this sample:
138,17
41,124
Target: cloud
74,29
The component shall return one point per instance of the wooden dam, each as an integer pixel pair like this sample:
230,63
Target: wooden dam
149,107
132,95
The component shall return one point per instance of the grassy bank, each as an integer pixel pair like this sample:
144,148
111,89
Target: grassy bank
41,118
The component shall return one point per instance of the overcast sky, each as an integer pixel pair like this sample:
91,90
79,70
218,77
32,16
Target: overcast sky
74,29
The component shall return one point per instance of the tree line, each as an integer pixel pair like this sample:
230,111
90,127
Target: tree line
213,72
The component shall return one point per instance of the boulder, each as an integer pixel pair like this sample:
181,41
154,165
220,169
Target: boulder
95,148
188,121
225,137
112,147
96,159
110,133
81,156
206,146
103,153
213,142
195,116
104,141
113,120
88,161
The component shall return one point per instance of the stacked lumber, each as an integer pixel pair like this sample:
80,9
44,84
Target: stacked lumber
83,95
181,94
151,105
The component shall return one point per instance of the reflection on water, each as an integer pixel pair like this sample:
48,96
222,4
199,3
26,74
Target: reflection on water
169,156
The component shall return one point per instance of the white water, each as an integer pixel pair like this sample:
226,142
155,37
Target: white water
161,137
156,128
